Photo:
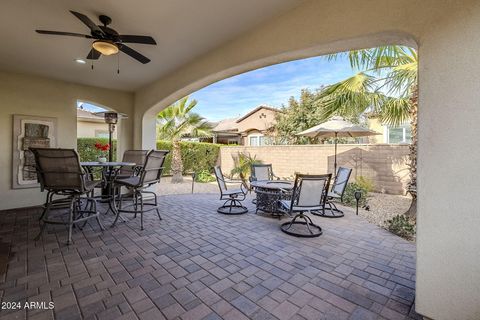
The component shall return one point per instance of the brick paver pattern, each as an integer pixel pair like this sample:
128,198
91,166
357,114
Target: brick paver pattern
198,264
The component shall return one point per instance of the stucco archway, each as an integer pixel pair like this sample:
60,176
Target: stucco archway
148,123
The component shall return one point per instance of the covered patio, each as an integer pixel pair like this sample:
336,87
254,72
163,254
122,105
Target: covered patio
197,264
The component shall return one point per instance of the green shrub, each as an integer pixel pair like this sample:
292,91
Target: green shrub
365,183
196,156
204,176
349,195
401,226
86,148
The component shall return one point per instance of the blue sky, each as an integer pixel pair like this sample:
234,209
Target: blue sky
272,85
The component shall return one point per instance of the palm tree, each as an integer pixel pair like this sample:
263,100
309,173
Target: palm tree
243,164
177,121
386,85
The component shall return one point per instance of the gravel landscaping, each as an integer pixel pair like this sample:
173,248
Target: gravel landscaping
384,207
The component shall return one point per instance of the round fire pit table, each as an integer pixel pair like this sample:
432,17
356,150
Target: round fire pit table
269,192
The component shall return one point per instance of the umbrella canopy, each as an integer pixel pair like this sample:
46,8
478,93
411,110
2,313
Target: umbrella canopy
337,127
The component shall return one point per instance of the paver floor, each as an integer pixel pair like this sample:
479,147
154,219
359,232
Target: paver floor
198,264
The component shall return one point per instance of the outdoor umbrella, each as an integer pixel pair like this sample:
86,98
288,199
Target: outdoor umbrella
337,127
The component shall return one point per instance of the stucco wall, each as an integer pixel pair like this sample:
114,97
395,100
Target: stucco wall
448,238
86,129
384,164
259,120
31,95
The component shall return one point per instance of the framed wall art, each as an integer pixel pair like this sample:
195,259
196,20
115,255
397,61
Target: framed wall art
30,132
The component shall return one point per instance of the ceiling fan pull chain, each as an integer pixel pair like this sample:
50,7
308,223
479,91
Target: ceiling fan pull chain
92,64
118,63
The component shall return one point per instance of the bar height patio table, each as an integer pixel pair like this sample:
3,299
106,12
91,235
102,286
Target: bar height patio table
108,175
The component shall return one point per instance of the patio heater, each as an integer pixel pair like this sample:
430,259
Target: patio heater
111,118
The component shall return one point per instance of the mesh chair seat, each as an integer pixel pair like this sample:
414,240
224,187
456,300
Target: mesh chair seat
334,195
128,182
233,192
90,185
286,204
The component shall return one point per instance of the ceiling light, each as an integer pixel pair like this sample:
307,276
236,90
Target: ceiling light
105,47
81,61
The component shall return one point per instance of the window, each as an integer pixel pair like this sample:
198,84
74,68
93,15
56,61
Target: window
396,135
257,140
253,141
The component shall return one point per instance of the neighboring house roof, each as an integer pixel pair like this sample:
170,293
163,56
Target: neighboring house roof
232,125
87,116
226,125
263,106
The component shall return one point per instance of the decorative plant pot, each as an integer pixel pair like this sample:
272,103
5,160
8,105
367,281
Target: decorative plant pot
102,159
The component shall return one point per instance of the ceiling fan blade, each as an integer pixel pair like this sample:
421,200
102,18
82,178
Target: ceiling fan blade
93,55
137,39
134,54
89,23
61,33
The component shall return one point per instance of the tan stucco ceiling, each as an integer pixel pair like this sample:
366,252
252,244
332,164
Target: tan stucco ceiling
183,29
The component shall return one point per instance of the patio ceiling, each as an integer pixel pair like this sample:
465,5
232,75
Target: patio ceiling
183,30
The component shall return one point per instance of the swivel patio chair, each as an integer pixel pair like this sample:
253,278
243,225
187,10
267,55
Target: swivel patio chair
59,172
336,193
309,195
261,172
148,175
232,197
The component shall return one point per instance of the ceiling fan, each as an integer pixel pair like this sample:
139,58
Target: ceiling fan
107,41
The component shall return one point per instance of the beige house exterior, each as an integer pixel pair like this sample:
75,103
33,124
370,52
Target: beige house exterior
388,134
39,77
90,125
248,130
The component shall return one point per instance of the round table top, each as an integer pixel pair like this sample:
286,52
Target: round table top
272,184
107,164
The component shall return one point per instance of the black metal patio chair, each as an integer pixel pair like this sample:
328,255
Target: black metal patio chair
259,172
60,173
148,175
336,194
309,195
232,197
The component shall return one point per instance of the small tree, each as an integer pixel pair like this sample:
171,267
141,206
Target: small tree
297,116
243,163
177,121
301,115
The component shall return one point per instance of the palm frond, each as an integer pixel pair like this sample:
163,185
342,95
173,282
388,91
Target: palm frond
395,111
177,120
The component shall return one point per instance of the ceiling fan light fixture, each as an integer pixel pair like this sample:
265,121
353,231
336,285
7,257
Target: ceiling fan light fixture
105,47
